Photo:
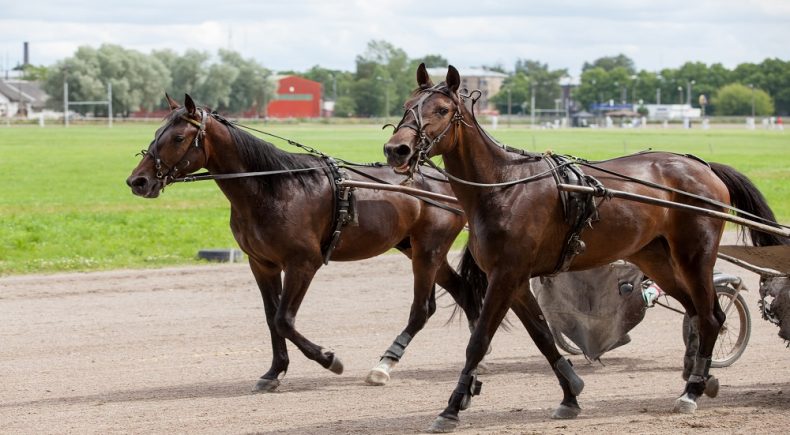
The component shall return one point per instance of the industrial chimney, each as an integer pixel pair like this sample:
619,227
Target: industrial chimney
26,55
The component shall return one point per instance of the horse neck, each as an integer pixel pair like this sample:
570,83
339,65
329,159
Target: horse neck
475,158
222,155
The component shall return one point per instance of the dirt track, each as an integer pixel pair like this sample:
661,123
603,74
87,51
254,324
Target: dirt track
179,350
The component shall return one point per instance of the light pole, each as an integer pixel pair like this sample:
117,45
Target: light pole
634,81
680,94
688,91
658,89
751,85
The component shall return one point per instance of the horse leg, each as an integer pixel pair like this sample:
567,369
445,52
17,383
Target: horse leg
424,266
495,306
465,296
297,281
687,275
270,285
528,311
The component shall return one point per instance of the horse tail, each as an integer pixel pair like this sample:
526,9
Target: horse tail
745,196
473,286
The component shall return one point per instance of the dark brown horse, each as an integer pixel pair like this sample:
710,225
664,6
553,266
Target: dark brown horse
284,223
517,230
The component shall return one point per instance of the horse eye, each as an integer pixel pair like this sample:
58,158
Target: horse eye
443,111
179,138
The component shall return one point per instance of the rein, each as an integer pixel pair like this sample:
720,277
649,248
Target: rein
424,146
205,176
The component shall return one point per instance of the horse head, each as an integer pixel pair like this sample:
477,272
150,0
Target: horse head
426,128
177,149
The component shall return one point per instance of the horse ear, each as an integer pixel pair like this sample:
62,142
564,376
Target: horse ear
189,104
453,79
423,79
170,101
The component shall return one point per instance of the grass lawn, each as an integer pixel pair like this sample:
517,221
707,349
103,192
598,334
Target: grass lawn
65,205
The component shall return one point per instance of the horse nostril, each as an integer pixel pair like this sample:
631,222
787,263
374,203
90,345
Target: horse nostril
403,150
137,181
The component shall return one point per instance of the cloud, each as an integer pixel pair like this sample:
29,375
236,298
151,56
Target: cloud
293,34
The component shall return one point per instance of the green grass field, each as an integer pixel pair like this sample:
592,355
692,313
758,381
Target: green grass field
65,205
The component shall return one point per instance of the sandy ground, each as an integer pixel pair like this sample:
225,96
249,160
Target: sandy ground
178,350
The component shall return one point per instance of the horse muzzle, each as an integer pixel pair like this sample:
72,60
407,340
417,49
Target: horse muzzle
399,156
144,186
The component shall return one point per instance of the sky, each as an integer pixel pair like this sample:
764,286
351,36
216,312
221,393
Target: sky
297,34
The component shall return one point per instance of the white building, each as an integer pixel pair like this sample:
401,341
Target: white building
672,112
20,98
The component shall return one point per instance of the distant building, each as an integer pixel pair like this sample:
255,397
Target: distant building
296,97
669,112
21,98
488,82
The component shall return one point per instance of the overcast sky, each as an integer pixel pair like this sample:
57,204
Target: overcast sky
297,34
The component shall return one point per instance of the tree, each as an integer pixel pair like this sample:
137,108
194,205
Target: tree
531,78
383,76
610,63
251,88
188,71
35,73
736,99
336,83
774,78
137,79
430,61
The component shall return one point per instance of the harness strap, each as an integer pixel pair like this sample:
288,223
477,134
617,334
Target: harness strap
343,206
425,200
579,208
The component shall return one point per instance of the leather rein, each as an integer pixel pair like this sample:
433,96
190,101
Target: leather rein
425,144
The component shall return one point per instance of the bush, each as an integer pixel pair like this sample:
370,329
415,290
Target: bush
736,99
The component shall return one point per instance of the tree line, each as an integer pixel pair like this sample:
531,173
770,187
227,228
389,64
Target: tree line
384,78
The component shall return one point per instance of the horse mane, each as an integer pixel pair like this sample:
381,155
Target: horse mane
257,155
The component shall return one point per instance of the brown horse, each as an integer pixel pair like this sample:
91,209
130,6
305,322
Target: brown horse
518,229
284,222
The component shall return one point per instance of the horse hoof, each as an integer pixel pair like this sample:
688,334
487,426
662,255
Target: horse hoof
377,377
266,385
684,405
712,387
443,425
337,366
565,412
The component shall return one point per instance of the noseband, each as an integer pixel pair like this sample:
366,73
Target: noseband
425,143
172,170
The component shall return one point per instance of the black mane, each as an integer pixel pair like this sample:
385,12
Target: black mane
257,155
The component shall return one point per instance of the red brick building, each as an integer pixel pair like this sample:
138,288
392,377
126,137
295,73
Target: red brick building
296,97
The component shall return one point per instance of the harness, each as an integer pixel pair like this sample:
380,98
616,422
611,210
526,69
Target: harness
579,209
345,209
172,171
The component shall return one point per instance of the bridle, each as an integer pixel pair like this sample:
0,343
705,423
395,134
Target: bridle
425,143
170,172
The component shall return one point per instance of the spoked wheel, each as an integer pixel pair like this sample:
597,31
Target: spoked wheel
564,342
734,334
